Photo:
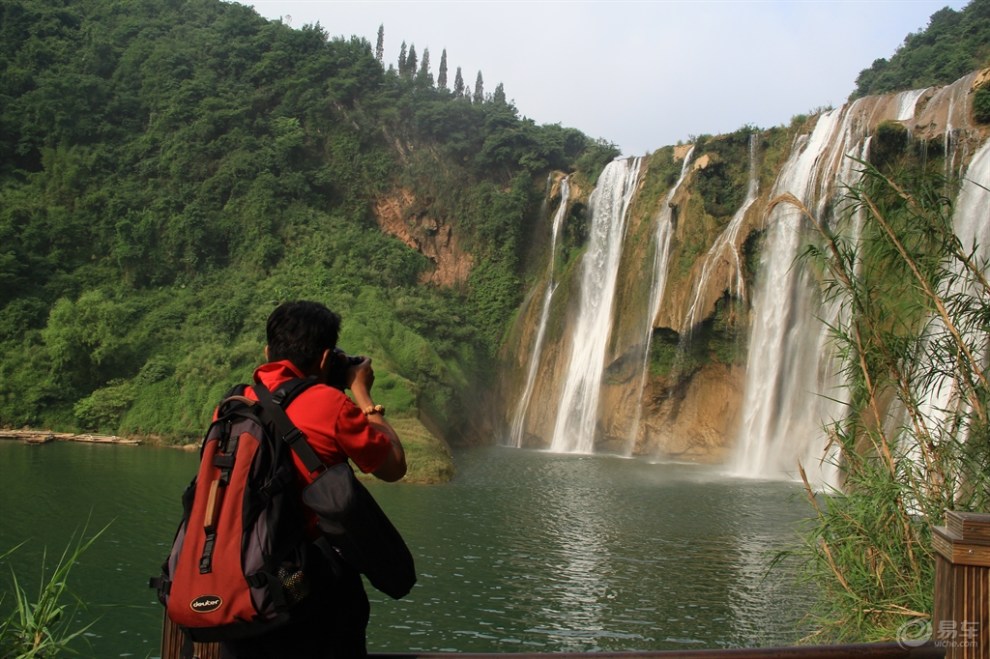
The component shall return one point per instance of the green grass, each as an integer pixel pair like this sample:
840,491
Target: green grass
46,625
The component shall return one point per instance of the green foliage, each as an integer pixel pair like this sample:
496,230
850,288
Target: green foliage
104,407
723,183
981,104
595,157
953,44
171,171
47,625
718,340
915,304
890,141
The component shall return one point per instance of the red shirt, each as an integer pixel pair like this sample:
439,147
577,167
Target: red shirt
334,426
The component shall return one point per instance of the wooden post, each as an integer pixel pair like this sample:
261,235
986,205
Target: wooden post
961,621
175,644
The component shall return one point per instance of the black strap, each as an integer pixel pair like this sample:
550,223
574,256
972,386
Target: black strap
284,428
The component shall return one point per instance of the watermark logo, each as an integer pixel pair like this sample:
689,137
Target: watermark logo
914,633
946,634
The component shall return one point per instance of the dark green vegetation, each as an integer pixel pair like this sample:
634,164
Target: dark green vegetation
954,44
46,624
917,299
172,170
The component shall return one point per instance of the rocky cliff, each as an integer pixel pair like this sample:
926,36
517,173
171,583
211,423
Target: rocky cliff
697,291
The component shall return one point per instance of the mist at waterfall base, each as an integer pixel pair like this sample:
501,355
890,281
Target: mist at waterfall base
524,551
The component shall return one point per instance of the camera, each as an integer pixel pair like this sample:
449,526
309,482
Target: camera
340,363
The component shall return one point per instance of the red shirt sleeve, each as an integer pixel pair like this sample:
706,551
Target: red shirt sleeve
363,444
337,430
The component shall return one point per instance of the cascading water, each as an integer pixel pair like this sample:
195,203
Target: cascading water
906,103
661,259
577,410
519,420
971,226
793,386
781,408
726,247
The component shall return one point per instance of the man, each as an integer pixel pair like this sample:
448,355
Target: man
302,340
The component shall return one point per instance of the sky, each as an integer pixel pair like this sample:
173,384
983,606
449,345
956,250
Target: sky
641,74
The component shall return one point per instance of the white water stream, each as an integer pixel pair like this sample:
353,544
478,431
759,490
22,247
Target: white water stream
522,407
782,421
661,260
726,247
577,410
971,223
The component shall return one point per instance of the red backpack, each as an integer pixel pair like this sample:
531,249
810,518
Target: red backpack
239,560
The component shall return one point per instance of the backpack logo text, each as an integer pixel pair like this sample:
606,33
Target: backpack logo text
206,603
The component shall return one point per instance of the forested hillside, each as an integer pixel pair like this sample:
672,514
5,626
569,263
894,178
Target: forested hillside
171,170
953,44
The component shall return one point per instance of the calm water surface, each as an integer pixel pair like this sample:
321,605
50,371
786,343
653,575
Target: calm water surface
523,551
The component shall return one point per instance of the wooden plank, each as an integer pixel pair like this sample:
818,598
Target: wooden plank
957,550
175,646
848,651
971,527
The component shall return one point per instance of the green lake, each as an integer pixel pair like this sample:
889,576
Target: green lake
523,551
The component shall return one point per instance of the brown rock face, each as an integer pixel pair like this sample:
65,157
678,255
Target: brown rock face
400,215
696,422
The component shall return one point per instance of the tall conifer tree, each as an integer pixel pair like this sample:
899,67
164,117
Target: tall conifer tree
380,46
479,89
412,62
402,59
442,74
425,77
458,83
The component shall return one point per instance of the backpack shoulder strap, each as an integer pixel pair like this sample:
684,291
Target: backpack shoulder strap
274,407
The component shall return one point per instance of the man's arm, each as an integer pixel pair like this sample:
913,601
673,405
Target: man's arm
393,467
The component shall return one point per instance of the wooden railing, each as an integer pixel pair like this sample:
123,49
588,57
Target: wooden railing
959,629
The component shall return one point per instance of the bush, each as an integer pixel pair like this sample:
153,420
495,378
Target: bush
981,104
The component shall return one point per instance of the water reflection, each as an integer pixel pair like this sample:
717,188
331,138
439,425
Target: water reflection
593,553
524,551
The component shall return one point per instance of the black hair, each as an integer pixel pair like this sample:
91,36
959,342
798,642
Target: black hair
300,331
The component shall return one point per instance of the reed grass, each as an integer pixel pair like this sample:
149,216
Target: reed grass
912,339
47,625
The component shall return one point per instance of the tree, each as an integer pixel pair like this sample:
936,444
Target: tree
424,77
402,59
498,98
380,46
479,89
442,74
412,62
458,83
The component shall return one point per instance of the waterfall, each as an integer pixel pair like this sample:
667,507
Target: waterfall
661,259
726,247
970,219
781,423
906,103
577,410
971,226
519,420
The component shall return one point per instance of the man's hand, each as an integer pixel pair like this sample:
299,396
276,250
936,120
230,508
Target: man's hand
361,377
